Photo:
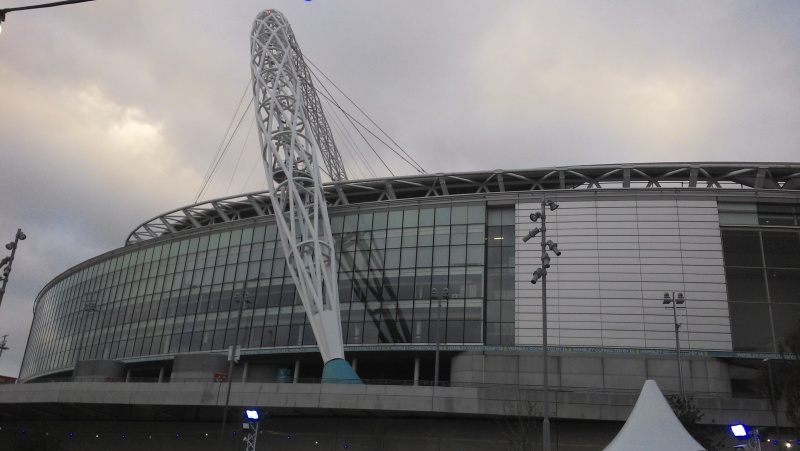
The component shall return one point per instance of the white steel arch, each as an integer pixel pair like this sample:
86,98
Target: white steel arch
290,152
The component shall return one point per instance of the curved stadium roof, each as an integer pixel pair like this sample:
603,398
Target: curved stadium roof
779,176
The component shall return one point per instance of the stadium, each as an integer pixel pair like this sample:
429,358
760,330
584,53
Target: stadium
719,240
419,312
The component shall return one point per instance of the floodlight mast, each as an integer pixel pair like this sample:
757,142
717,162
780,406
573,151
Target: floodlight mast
289,148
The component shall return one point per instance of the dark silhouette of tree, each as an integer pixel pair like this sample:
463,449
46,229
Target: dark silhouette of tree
521,422
790,351
690,416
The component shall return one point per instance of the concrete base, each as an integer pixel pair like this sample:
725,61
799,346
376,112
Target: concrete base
602,372
338,371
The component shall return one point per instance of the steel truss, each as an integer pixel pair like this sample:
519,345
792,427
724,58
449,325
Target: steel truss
719,176
289,149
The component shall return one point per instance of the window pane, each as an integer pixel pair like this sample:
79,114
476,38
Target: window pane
459,215
442,216
477,214
455,332
441,255
493,311
741,248
750,327
365,221
424,256
782,249
458,255
784,285
776,215
379,220
409,237
474,255
458,234
493,334
350,223
495,236
785,317
472,331
745,285
425,236
410,218
395,219
408,258
426,217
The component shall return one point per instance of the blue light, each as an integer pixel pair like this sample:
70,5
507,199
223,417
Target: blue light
739,430
252,414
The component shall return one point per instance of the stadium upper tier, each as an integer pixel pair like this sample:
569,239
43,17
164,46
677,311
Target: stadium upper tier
784,176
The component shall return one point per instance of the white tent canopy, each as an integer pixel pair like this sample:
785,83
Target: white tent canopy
653,426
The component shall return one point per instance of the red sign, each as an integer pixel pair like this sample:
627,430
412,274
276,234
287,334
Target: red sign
220,377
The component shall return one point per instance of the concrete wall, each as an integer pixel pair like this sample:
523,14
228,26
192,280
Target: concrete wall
589,371
199,399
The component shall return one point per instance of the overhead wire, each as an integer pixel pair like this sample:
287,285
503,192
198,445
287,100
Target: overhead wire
355,121
222,148
347,141
351,120
241,152
415,164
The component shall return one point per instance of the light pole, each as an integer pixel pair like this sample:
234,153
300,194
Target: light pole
233,357
675,301
89,307
446,295
3,346
12,246
772,398
541,273
250,424
42,5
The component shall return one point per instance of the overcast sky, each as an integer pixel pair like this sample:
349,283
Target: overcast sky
111,111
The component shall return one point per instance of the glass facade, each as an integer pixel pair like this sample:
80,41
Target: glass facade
179,296
762,270
500,252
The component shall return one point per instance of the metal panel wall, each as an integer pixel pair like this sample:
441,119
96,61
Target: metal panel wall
619,257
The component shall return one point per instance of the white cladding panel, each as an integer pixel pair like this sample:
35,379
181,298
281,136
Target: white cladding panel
618,258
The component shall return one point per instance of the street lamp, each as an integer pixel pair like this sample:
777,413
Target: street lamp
89,307
541,274
42,5
446,296
675,301
250,421
12,246
742,432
